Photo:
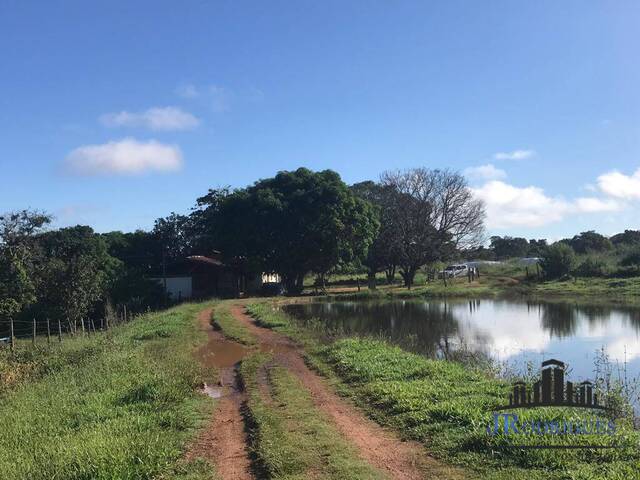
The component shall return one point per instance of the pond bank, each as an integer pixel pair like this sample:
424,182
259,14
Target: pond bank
445,406
614,291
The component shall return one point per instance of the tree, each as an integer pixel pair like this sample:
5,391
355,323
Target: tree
557,261
174,236
509,247
632,259
628,237
16,287
383,254
292,224
537,247
76,273
434,213
140,256
589,241
17,230
204,226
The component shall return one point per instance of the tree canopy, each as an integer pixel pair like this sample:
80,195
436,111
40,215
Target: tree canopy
292,224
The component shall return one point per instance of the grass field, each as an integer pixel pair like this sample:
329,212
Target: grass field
290,438
230,327
116,405
448,407
503,279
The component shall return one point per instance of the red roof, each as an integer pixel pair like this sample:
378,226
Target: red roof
208,260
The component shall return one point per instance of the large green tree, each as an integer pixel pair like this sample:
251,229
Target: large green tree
17,260
76,273
384,252
140,256
509,247
292,224
589,242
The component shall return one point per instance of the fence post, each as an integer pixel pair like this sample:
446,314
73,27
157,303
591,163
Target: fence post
13,339
102,323
34,332
48,331
59,331
93,326
83,331
125,313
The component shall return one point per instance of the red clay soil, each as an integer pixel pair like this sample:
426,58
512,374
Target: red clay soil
402,460
223,441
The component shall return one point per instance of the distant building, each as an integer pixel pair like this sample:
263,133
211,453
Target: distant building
198,277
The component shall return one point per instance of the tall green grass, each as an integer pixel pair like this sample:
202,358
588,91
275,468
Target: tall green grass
448,407
118,405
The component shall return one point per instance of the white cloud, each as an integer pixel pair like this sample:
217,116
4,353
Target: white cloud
124,157
514,155
158,118
509,206
484,172
619,185
595,205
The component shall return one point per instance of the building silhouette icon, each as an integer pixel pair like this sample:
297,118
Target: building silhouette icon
552,390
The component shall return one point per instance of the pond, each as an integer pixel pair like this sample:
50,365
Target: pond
510,331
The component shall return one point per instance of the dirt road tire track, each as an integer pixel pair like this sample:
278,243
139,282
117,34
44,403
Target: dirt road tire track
223,441
401,460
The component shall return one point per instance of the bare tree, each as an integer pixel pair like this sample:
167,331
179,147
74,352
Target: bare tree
434,213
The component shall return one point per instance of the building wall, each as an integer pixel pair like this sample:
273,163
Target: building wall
270,278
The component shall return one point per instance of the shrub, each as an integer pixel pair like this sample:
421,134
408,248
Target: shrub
558,260
631,259
593,267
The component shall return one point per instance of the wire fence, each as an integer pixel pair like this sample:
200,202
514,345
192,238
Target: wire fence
57,330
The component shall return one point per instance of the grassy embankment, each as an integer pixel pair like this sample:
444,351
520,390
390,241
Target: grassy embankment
223,320
289,437
448,408
120,404
503,279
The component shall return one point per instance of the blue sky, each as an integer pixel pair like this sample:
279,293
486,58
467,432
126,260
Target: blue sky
115,113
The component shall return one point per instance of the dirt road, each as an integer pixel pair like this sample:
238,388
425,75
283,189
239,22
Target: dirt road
223,442
401,460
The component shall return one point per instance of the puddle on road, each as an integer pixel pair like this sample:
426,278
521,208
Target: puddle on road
221,353
211,391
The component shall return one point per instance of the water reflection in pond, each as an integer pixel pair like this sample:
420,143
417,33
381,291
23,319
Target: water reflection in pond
507,330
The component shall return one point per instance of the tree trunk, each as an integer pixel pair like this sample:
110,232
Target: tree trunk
291,284
371,280
390,272
408,274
